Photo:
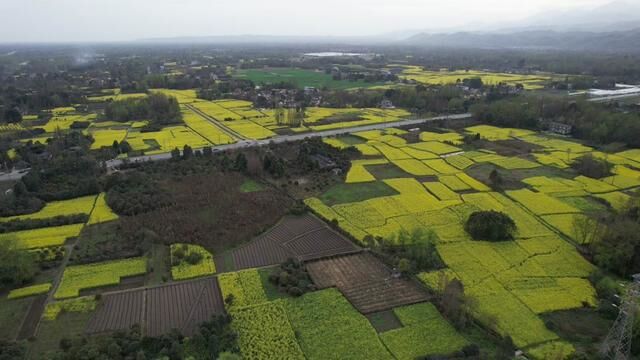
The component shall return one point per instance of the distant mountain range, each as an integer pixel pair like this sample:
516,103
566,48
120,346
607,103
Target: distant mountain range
612,27
628,41
618,15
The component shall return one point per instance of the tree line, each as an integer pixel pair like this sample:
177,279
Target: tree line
158,108
592,122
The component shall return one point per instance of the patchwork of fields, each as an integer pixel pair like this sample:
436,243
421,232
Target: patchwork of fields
512,282
444,77
325,325
433,182
205,123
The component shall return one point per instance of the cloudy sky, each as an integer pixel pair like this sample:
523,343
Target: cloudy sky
118,20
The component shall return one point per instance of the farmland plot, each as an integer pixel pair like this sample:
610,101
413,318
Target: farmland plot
81,205
264,332
182,268
45,237
160,309
81,277
328,327
365,282
304,238
424,332
512,282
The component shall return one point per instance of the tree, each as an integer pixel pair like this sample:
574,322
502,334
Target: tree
240,164
124,147
618,247
455,304
506,349
409,251
474,83
175,154
490,226
404,266
12,115
586,229
10,350
16,267
158,108
496,179
187,152
592,167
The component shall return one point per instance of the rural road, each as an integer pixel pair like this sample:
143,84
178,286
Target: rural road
14,175
615,97
284,138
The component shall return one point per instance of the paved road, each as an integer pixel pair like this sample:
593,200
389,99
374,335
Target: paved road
284,138
610,98
14,175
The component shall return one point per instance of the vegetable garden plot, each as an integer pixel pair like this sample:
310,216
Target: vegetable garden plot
304,238
160,309
366,282
117,312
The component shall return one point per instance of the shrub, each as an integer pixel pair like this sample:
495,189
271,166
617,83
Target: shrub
292,278
194,258
471,350
295,291
592,167
490,226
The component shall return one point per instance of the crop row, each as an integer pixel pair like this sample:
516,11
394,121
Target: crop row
244,287
80,277
264,333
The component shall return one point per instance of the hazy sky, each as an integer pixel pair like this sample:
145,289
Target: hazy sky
115,20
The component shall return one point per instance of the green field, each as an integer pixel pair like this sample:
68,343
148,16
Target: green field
328,327
300,77
345,193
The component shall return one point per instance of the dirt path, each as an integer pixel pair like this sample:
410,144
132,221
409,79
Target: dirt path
58,279
233,134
